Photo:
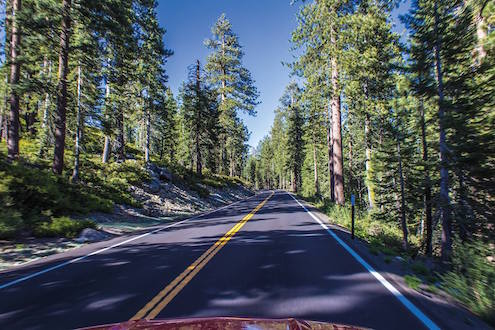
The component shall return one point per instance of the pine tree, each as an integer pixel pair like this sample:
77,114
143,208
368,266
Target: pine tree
14,26
295,122
234,85
198,106
448,74
151,61
121,52
63,67
165,125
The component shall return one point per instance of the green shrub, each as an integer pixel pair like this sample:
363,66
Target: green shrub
202,191
10,223
213,183
185,176
30,194
412,281
62,227
420,269
384,237
472,278
432,288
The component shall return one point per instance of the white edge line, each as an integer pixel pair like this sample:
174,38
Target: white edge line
406,302
68,262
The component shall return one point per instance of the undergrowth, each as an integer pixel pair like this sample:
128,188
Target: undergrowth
35,201
198,183
470,277
383,236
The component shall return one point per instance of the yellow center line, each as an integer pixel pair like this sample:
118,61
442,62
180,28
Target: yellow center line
161,300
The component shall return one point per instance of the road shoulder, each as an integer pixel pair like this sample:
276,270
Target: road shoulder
76,251
441,308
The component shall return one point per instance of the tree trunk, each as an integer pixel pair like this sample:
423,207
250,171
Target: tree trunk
3,125
337,134
45,130
77,150
106,145
444,162
223,138
231,161
199,161
106,150
60,118
315,166
427,191
331,182
367,137
351,176
171,156
481,34
6,98
3,112
15,68
148,135
119,141
403,222
292,181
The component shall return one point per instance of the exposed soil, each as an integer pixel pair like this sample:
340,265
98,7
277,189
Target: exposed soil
164,202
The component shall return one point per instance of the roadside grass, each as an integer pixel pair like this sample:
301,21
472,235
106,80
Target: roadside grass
198,183
413,281
384,237
62,227
36,202
469,278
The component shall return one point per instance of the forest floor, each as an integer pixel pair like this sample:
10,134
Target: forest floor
159,201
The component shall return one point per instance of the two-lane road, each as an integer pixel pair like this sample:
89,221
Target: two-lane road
263,257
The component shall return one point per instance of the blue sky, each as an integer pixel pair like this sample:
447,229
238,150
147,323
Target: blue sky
264,28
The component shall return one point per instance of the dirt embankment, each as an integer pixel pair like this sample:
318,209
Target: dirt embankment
164,199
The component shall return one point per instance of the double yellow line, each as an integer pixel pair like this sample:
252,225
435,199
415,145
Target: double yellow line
161,300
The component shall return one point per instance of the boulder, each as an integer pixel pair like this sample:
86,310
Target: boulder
155,185
165,174
91,235
160,172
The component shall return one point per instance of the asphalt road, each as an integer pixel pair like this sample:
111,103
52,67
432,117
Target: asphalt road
251,259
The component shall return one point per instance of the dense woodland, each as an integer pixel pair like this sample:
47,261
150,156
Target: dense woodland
406,125
86,107
84,65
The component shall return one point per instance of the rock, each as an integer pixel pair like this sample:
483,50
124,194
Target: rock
155,185
152,168
165,175
162,173
91,235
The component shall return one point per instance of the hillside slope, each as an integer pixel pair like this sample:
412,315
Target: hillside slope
42,213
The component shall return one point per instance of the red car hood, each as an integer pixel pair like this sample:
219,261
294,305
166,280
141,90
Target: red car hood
223,323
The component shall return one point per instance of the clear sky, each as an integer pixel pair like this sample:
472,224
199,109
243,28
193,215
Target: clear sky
264,28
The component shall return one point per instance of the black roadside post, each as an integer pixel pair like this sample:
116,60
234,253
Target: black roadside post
353,199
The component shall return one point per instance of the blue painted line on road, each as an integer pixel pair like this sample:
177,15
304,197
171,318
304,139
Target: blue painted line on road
408,304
